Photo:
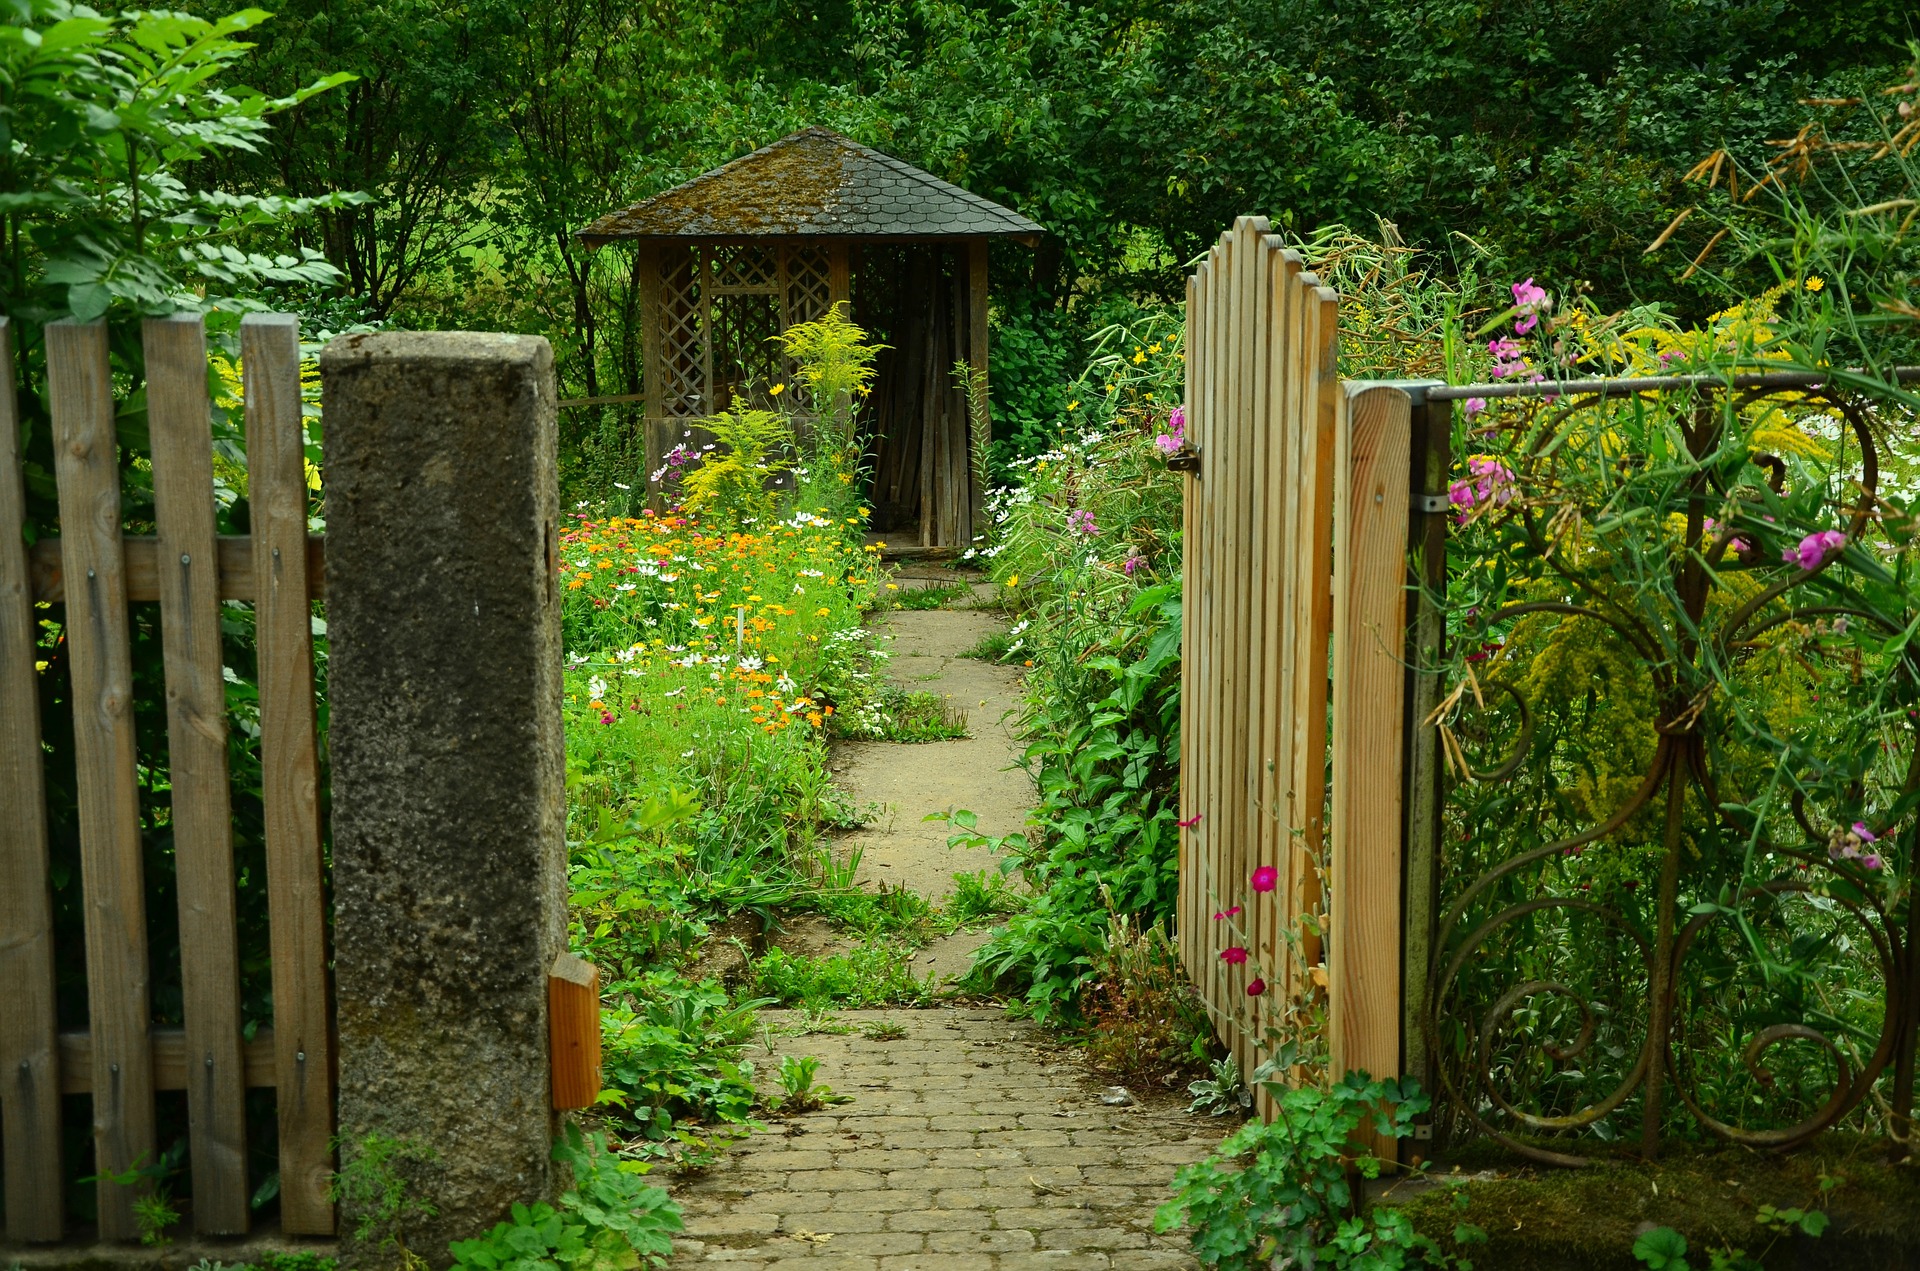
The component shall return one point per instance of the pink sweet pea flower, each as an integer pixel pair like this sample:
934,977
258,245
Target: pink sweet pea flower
1814,549
1865,835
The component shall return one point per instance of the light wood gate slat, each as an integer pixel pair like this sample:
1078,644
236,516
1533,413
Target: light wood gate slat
276,479
1276,641
1372,485
1263,578
178,415
1212,563
1320,362
86,460
29,1076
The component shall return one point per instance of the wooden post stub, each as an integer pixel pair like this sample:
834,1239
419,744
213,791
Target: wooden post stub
573,1026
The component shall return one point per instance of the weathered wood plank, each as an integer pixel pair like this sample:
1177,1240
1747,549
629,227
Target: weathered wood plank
977,332
276,477
29,1081
178,414
1371,489
169,1061
86,459
143,568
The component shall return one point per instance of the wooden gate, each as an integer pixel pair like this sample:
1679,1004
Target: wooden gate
90,577
1300,503
1261,405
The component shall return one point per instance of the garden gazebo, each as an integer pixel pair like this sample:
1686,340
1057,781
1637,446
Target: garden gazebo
732,258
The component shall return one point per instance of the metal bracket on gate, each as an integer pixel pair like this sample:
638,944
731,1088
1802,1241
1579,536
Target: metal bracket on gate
1430,503
1185,459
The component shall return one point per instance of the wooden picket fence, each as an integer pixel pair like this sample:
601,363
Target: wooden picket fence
91,575
1297,520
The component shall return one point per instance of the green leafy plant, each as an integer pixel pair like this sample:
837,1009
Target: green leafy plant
884,1030
1277,1192
376,1187
878,973
732,484
106,116
798,1093
673,1059
1221,1092
981,896
914,598
607,1221
1662,1249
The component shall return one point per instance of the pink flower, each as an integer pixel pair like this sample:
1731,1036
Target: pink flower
1256,987
1233,955
1177,421
1176,433
1870,861
1863,833
1531,301
1132,563
1814,549
606,717
1225,914
1266,878
1190,822
1167,442
1473,406
1080,521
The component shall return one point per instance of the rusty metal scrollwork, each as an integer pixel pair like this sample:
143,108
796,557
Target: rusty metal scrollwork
1533,1055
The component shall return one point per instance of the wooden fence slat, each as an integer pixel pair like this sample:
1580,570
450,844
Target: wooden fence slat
1321,362
1212,826
86,459
29,1078
1265,571
142,554
1183,916
276,479
1372,487
178,417
169,1061
1234,606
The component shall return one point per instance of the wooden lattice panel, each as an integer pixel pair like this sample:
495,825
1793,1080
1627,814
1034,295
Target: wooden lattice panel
746,348
809,284
682,337
749,268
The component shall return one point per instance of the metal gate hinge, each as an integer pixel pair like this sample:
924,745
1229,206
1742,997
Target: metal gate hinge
1430,503
1185,459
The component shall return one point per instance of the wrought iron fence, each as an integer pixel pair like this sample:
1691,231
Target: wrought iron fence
1638,888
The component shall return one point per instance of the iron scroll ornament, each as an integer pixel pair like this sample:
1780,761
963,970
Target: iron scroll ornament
1502,1048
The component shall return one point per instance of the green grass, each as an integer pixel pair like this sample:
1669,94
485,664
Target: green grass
925,597
995,646
878,973
982,896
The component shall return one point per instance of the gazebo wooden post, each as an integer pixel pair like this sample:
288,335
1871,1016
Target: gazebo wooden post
653,366
977,358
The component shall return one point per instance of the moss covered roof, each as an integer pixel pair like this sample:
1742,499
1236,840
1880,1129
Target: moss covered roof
815,183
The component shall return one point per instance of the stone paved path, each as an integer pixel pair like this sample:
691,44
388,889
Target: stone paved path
973,1143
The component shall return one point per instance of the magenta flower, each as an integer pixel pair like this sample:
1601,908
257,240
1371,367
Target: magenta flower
1256,987
1132,563
606,717
1233,955
1176,433
1870,861
1814,549
1080,521
1863,833
1473,406
1190,822
1531,301
1225,914
1266,878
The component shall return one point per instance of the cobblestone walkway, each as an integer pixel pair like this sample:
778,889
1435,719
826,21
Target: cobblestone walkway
973,1143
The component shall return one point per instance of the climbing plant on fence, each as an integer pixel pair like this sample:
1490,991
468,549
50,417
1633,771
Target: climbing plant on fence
1681,744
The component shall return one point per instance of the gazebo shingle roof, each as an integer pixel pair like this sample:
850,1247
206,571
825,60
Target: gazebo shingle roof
815,183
